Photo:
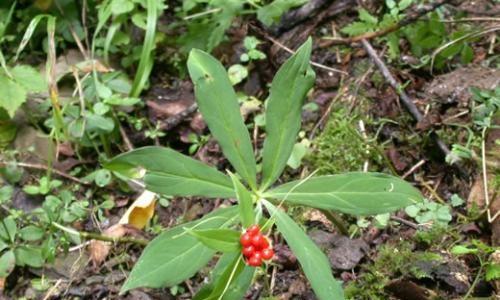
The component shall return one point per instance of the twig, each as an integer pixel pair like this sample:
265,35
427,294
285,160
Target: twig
100,237
418,165
52,289
407,102
362,129
485,178
46,168
406,222
410,18
474,19
318,65
173,121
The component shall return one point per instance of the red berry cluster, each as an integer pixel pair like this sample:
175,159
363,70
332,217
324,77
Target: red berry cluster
256,247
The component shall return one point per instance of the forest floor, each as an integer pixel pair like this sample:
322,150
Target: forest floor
354,120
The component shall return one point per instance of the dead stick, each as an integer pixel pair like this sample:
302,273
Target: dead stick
407,102
45,168
410,18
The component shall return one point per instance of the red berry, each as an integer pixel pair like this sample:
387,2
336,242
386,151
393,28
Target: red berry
255,260
245,240
265,243
253,230
248,251
259,241
267,253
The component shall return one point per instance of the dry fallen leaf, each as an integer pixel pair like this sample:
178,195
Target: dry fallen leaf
141,211
136,217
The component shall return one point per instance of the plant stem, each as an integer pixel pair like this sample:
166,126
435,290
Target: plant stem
336,220
474,283
100,237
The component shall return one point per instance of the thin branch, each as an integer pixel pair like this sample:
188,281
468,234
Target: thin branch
45,168
410,171
100,237
318,65
410,18
407,102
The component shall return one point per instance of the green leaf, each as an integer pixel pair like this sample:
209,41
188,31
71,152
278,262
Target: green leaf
356,28
461,250
118,100
356,193
175,255
456,200
313,262
492,271
100,123
268,14
171,173
366,17
31,233
12,95
223,240
8,229
247,215
102,177
7,263
218,103
121,6
30,256
227,278
29,78
237,287
283,114
467,54
237,73
147,53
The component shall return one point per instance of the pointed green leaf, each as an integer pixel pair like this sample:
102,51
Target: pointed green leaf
218,103
171,173
223,240
283,114
227,278
356,193
245,202
314,263
175,255
236,289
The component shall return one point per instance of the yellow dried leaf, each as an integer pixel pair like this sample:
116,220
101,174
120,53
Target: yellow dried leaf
141,211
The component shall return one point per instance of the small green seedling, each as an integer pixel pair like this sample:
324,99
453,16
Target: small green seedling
180,252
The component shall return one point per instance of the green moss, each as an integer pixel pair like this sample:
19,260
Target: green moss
392,262
341,148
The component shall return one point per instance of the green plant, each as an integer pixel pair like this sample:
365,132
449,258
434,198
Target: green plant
188,247
423,36
429,212
208,20
484,109
238,72
119,12
28,239
485,254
